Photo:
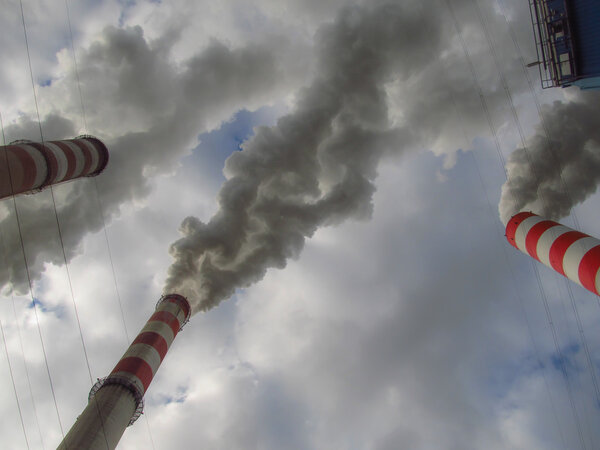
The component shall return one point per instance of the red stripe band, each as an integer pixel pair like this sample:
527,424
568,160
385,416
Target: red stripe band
534,234
153,339
87,156
44,152
102,152
62,149
513,224
560,246
71,160
588,269
137,367
52,165
28,169
168,318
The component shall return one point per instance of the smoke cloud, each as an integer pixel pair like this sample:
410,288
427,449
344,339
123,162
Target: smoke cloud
388,78
561,165
316,167
148,111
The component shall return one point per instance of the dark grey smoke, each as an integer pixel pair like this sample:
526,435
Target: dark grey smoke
561,165
149,112
317,165
388,79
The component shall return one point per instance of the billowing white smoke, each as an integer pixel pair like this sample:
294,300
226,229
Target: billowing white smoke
561,165
316,166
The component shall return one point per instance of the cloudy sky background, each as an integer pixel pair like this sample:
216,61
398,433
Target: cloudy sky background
414,325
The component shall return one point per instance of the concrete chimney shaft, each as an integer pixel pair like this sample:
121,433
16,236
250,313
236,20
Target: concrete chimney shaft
27,167
117,400
571,253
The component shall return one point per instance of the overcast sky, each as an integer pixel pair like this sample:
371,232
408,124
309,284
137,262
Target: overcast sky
352,285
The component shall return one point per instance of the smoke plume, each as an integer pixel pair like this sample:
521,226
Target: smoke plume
387,79
148,111
561,165
316,166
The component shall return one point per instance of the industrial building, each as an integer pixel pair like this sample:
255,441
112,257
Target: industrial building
567,37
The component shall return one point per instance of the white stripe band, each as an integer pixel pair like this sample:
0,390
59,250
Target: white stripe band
174,309
54,149
41,168
575,253
61,161
95,157
547,239
79,161
145,352
523,230
160,328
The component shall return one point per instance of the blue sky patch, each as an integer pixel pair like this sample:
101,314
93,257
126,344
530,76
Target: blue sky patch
179,396
208,158
569,354
58,311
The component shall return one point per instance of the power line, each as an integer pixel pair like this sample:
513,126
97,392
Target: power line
546,128
21,234
60,237
34,304
512,274
27,377
560,355
522,305
85,127
12,378
110,258
15,310
489,39
54,207
482,99
62,246
503,163
101,209
538,106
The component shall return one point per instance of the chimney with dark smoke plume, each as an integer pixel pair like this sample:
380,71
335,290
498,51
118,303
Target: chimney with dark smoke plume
117,400
561,165
571,253
316,166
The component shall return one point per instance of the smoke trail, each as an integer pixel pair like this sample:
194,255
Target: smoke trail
557,171
148,111
316,166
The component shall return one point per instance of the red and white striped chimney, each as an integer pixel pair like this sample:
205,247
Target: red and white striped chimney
571,253
117,400
31,166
